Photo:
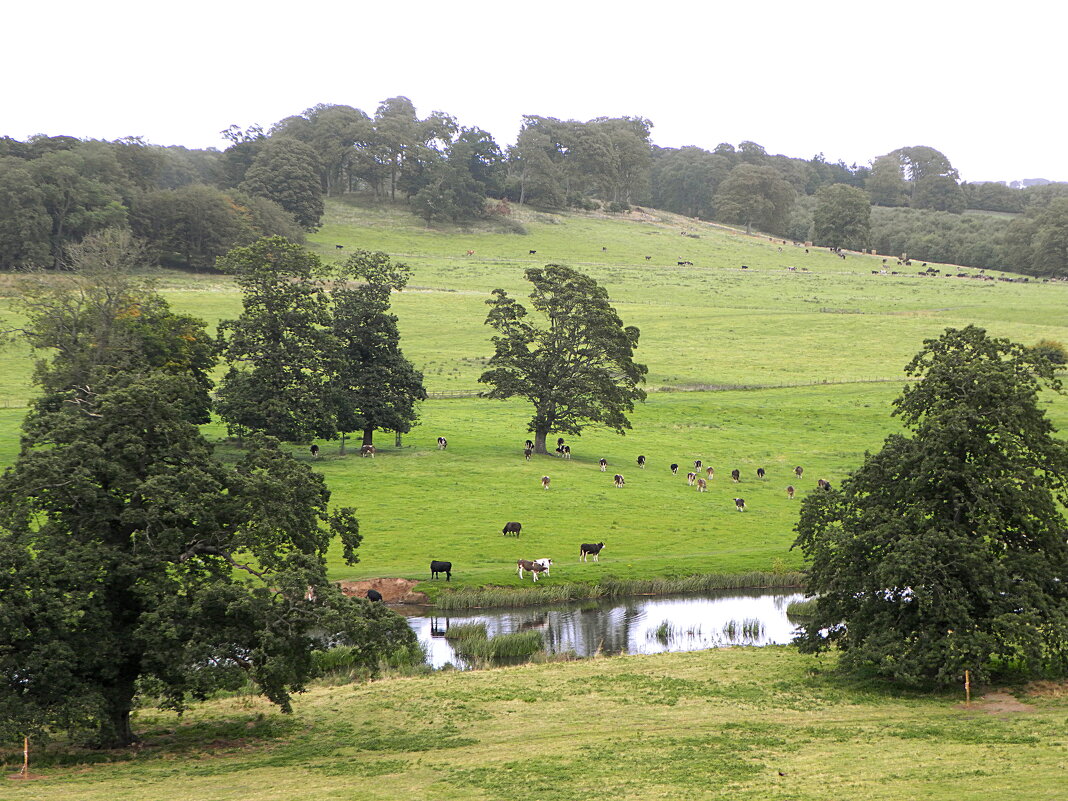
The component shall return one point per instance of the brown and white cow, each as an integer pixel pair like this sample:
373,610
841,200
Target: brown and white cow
702,485
545,482
798,471
790,491
533,567
711,473
368,450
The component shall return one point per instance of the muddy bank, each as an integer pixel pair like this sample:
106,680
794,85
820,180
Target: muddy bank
394,590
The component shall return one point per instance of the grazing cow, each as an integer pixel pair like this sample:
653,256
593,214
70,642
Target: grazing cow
823,485
702,485
647,258
545,482
739,504
604,464
674,469
711,473
691,478
618,480
470,253
533,253
533,567
442,443
546,563
368,450
512,528
559,442
641,462
745,266
798,471
339,247
566,452
790,491
529,444
760,472
586,549
315,451
374,595
527,452
736,476
440,567
697,464
685,264
604,250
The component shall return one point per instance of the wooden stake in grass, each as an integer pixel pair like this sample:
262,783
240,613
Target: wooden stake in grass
24,773
967,687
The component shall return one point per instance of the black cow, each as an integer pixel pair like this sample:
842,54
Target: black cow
736,476
533,252
697,464
790,491
739,504
527,452
641,462
674,469
374,595
798,471
512,528
760,472
586,549
315,451
528,444
441,567
339,247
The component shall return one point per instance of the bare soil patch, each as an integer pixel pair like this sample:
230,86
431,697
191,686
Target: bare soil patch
998,702
394,590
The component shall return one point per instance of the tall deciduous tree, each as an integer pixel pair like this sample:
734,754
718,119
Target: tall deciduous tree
373,386
279,347
576,366
287,172
945,551
755,196
842,217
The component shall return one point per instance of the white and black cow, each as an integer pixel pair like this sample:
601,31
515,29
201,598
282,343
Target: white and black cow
588,549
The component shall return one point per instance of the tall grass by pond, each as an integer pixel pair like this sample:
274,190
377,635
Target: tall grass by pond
612,588
473,644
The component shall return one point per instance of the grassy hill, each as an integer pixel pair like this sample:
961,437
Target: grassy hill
823,344
738,723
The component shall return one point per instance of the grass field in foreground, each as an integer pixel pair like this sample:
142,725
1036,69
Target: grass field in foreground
742,723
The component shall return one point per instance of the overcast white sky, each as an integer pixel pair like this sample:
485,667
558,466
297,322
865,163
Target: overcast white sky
982,82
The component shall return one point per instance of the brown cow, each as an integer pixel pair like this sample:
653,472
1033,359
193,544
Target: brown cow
736,476
798,471
711,473
702,485
368,450
527,453
790,491
545,482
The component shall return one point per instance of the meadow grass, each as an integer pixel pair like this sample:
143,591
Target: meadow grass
732,723
810,337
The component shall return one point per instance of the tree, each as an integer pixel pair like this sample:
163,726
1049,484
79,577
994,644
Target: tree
1037,243
753,195
885,184
945,551
578,368
287,172
685,180
25,225
278,349
373,386
842,218
131,560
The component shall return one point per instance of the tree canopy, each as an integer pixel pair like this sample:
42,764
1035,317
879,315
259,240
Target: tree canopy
576,364
945,551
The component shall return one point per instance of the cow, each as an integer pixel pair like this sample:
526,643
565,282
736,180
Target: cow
697,464
512,528
314,451
566,452
528,444
745,266
702,485
470,253
760,472
527,452
685,264
533,567
823,485
641,462
339,247
798,471
440,567
368,450
711,473
533,253
790,491
647,258
691,478
604,250
442,443
546,563
739,504
374,595
674,469
604,464
736,476
586,550
618,480
545,482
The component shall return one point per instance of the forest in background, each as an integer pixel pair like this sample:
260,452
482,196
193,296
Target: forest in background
192,206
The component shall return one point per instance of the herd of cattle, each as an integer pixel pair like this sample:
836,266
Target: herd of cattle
537,567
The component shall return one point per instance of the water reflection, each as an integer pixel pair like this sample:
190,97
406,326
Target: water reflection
631,626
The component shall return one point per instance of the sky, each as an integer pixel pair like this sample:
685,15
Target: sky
983,83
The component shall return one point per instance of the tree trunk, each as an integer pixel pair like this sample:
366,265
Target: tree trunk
539,440
368,436
115,731
344,436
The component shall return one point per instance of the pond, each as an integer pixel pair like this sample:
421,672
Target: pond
646,625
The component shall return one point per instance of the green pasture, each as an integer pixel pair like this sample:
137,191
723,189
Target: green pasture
764,724
825,342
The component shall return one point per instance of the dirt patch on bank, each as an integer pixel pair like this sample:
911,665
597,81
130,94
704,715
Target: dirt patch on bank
394,590
998,702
